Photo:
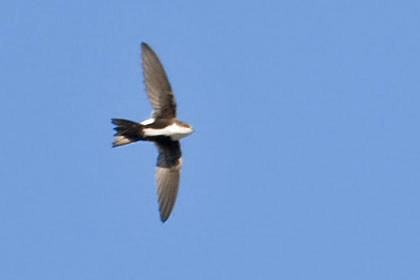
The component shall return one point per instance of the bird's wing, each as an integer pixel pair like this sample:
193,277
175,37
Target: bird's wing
168,171
158,88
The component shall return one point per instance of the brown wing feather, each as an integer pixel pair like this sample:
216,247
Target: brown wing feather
168,171
158,88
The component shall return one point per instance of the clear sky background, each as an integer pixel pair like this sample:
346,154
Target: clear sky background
304,163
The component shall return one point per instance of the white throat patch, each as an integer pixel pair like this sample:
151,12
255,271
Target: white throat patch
174,131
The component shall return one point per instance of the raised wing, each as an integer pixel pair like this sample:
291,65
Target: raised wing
168,171
158,88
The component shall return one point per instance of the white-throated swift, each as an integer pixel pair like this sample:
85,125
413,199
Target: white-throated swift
162,128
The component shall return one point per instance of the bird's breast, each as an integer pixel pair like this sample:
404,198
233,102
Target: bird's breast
174,131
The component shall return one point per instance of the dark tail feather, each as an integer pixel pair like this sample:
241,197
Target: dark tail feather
127,132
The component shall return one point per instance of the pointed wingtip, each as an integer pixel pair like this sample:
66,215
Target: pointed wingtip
165,212
144,45
164,215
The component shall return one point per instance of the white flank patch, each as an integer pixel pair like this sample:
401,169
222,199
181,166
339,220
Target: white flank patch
174,131
148,121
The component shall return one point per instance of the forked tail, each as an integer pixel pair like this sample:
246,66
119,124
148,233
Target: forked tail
127,132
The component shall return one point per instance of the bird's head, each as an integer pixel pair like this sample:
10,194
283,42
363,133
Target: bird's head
188,129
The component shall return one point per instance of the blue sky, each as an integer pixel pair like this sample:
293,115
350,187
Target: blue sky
304,163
